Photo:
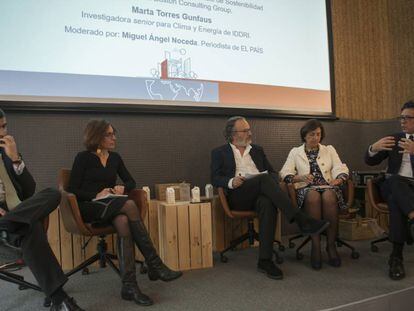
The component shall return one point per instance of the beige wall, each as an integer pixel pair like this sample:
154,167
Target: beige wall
373,57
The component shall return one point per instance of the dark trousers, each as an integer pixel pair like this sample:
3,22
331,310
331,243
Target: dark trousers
263,194
398,191
26,223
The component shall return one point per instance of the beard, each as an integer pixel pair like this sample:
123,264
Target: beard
242,142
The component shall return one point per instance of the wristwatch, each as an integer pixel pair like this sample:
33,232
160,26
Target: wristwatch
18,161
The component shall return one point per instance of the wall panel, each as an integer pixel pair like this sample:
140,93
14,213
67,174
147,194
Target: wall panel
373,55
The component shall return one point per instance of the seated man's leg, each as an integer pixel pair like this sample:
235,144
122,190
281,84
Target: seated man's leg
267,226
270,188
402,190
397,226
244,197
39,257
32,210
15,224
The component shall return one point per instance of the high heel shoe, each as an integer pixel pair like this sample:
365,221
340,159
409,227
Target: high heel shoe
316,264
334,261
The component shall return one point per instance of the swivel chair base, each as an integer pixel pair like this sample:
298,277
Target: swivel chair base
19,280
103,257
339,243
252,236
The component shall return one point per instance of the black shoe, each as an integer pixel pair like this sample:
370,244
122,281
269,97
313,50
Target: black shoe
268,266
310,226
316,264
131,291
8,252
397,271
68,304
157,270
334,261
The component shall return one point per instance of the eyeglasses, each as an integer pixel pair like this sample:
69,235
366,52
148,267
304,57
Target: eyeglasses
244,131
405,118
110,135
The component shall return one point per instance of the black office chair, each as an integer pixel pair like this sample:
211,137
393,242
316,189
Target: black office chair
6,273
349,194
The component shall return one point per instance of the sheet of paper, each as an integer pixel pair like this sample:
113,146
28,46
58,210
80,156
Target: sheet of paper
249,176
111,196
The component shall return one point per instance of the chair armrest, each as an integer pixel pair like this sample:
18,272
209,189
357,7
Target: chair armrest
350,188
71,217
224,203
374,197
292,194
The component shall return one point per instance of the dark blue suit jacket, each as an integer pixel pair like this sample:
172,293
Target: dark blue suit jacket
223,165
394,157
24,183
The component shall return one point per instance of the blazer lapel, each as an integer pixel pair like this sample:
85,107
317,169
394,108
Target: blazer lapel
302,153
230,158
397,149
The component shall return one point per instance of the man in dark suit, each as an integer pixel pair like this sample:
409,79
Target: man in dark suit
232,168
398,187
22,216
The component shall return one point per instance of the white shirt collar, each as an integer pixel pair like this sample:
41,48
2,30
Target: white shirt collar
247,151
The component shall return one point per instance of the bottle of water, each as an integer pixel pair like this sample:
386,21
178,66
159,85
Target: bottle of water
195,195
209,191
148,193
170,195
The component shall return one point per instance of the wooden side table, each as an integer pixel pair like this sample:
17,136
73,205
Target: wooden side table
185,235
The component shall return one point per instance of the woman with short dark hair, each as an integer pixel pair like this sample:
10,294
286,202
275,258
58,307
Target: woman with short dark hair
93,181
317,173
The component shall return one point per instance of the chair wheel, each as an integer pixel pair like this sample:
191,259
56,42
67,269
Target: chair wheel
143,269
85,271
354,255
291,245
374,248
223,258
299,256
282,248
47,302
279,260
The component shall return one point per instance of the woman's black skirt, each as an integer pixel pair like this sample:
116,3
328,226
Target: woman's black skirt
101,213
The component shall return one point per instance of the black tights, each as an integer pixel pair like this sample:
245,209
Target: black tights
129,212
323,205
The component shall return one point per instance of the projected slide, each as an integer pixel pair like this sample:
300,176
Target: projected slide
260,54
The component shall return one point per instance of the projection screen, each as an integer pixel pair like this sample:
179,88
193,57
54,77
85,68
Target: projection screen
268,56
